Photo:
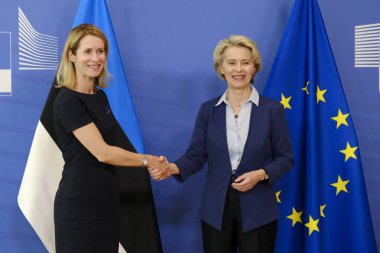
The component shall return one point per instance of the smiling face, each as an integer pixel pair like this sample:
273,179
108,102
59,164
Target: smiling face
237,67
89,59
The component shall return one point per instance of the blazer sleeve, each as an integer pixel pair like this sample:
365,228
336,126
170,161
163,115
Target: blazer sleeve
281,145
196,155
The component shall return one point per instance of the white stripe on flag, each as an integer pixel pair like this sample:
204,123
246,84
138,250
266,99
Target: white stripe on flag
121,249
42,174
39,184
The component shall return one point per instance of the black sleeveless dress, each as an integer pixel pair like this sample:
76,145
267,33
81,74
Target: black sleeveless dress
86,208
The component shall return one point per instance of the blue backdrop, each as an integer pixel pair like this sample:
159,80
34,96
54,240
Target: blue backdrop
166,48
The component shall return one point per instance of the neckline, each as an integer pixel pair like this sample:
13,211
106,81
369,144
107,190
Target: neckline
82,93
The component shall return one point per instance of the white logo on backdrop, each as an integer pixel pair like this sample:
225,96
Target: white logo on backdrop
5,64
37,51
367,46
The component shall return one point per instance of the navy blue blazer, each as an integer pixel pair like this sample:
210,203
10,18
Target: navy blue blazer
268,146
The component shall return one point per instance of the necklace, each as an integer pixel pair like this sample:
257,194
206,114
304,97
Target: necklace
238,105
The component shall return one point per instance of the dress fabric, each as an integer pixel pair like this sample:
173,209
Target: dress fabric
86,207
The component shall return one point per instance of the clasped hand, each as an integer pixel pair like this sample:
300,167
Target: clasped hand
248,180
158,168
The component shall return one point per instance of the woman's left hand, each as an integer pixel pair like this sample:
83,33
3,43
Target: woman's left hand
248,180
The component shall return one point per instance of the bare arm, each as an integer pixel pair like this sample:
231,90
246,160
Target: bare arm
90,137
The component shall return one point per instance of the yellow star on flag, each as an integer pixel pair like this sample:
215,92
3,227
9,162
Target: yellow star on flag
321,210
349,152
312,225
295,217
278,196
305,88
340,119
340,185
285,101
320,94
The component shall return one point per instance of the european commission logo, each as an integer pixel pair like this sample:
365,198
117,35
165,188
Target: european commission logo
37,51
367,47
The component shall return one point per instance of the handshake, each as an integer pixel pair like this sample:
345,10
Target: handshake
159,167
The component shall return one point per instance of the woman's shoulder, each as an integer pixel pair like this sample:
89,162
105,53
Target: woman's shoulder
271,106
64,96
211,103
68,98
268,102
101,92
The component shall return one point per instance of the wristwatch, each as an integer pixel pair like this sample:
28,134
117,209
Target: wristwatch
145,161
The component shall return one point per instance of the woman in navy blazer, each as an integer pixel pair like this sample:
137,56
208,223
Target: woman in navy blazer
244,138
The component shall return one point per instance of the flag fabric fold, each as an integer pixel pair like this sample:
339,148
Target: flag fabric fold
323,200
45,163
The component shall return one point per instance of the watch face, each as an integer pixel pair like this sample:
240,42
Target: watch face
145,162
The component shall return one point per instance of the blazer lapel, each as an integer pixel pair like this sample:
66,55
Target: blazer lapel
220,130
255,113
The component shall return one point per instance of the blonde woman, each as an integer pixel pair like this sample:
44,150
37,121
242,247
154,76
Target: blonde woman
86,208
244,138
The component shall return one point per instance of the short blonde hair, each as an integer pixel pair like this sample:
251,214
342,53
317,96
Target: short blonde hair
237,41
66,72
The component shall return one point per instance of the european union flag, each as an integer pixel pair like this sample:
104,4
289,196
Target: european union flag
323,200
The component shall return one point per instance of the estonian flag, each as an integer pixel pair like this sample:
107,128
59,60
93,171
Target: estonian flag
45,163
323,200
